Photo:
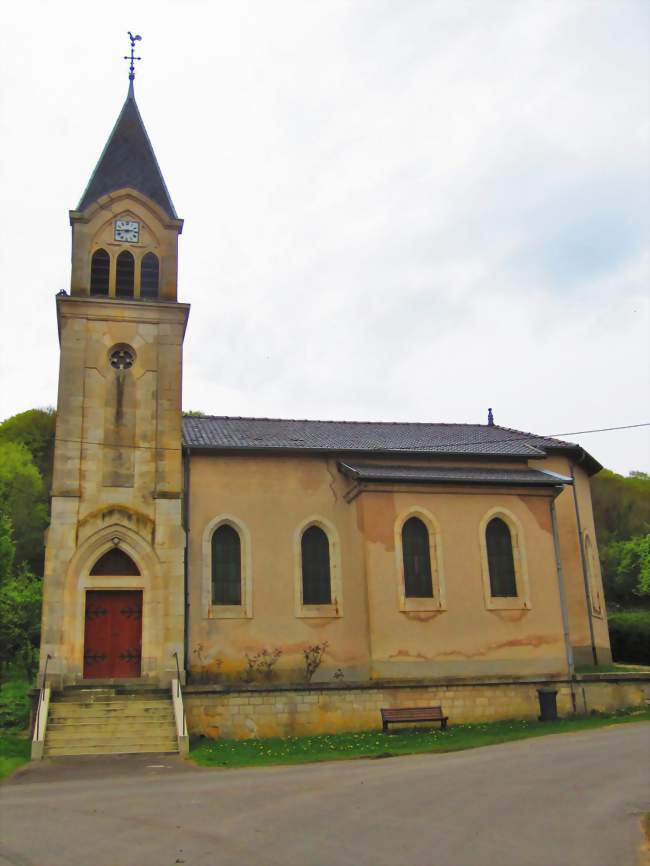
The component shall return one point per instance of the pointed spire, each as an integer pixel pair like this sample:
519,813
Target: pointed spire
128,159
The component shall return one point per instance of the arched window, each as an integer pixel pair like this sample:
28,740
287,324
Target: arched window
418,582
501,561
115,562
149,276
100,266
315,556
226,565
124,275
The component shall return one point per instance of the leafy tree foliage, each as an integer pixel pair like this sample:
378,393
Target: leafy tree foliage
35,430
621,505
23,500
20,608
622,516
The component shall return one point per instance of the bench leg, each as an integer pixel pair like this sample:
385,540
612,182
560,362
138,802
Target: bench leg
443,724
385,727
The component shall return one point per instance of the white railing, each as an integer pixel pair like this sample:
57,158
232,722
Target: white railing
40,723
179,718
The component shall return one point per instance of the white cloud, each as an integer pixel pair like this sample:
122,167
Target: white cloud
396,211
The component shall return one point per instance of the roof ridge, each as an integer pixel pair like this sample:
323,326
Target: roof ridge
334,421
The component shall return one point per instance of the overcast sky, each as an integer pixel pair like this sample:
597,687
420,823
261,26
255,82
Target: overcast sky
394,210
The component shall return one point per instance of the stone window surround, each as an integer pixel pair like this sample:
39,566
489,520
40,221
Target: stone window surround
522,600
438,601
227,611
335,608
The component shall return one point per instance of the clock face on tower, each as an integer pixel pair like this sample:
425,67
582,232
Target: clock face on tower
127,230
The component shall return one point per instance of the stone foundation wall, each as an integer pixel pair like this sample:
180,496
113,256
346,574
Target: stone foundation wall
281,711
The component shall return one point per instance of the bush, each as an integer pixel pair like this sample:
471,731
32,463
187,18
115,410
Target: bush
14,704
629,632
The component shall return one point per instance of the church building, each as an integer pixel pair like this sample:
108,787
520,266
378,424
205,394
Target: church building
234,554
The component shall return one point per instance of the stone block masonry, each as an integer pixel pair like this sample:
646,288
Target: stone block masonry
242,712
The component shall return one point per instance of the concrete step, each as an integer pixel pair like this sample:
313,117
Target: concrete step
91,697
156,747
89,732
109,706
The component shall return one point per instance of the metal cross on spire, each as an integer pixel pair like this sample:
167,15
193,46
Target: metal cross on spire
132,58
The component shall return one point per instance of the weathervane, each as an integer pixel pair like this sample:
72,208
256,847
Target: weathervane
132,57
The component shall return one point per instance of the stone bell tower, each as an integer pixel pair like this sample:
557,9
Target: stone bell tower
114,570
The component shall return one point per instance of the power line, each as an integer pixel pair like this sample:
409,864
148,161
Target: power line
522,437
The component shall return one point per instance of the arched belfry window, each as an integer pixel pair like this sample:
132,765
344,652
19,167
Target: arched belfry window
315,558
124,275
115,562
100,266
501,561
226,565
149,276
418,582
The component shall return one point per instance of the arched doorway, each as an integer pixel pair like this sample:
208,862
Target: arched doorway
113,622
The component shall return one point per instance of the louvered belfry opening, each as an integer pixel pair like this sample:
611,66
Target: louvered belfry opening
315,551
501,562
226,566
418,582
125,275
149,276
100,266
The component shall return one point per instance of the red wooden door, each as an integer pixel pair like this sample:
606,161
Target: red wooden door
113,634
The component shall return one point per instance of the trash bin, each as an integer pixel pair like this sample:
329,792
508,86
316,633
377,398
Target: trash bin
547,705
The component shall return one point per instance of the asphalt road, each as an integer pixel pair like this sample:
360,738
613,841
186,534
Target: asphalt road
566,800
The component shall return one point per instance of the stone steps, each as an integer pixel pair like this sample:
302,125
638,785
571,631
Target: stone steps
110,721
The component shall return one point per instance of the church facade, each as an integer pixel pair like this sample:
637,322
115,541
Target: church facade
238,549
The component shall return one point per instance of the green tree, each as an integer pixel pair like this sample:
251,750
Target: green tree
20,608
35,430
23,501
621,505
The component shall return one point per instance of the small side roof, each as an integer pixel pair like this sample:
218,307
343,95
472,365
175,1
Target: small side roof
367,472
128,160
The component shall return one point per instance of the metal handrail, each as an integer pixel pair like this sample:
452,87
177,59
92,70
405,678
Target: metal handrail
178,690
178,675
41,694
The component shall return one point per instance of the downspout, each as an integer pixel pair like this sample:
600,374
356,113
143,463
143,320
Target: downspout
563,603
186,527
585,573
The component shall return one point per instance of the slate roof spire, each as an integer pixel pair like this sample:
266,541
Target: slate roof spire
128,158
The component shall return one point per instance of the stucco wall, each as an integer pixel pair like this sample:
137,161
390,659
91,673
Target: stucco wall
370,631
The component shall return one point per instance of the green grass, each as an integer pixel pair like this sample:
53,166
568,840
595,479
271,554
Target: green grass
15,749
374,744
612,669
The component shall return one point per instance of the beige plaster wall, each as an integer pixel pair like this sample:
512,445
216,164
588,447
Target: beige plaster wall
269,498
580,605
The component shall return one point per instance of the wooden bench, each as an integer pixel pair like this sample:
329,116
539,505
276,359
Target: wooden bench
413,714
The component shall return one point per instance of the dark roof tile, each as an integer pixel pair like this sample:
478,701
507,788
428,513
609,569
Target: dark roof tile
128,160
219,433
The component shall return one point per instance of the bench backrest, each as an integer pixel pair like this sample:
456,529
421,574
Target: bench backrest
410,713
